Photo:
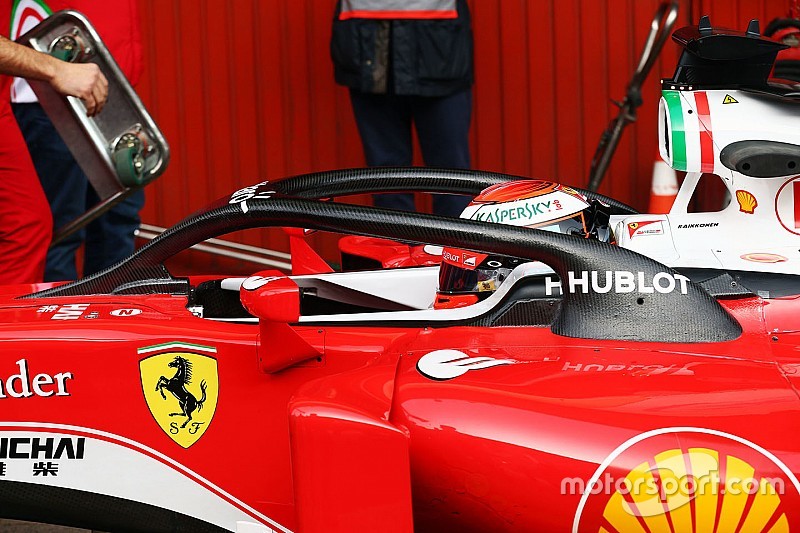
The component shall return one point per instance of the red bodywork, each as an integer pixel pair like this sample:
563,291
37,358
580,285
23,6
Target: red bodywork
383,253
349,406
358,438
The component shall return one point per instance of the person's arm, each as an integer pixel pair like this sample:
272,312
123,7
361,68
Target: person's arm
82,80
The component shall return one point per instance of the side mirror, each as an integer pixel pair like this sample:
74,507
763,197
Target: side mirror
270,295
275,300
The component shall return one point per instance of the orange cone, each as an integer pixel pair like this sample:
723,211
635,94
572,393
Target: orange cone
664,188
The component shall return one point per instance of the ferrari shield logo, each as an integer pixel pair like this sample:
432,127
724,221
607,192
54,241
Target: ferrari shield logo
181,386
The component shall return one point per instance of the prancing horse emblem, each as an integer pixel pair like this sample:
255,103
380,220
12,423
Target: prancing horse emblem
186,412
177,386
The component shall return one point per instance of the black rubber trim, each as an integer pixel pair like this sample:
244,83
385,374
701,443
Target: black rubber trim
670,317
76,508
762,159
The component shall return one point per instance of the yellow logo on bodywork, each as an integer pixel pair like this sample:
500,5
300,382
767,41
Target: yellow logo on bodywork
725,490
181,387
747,202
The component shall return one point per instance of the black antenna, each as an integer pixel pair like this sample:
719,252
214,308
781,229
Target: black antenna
705,25
753,30
723,57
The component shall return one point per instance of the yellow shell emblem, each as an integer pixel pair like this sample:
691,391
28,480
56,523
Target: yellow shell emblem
695,490
747,202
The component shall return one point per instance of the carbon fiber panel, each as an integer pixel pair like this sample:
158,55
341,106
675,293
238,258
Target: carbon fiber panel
672,316
389,179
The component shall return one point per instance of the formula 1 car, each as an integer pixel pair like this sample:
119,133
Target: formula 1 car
638,397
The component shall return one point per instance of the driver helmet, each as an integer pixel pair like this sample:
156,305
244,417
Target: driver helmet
466,277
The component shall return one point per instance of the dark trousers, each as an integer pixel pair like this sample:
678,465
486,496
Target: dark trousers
110,238
442,124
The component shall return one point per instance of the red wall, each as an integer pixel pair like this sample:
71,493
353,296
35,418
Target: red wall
243,90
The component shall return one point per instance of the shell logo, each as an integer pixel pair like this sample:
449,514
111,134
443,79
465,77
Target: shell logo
689,480
687,490
747,202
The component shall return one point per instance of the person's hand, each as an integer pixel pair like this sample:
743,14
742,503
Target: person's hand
84,81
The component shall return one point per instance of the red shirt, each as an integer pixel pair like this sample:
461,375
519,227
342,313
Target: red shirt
5,81
117,22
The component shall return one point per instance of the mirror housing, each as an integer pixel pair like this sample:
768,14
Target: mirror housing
270,295
275,300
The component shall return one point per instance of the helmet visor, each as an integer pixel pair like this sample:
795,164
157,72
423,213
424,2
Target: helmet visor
486,278
572,225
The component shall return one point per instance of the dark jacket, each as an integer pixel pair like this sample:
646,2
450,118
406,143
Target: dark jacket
405,57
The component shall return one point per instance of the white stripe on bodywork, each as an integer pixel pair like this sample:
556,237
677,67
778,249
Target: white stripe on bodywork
116,466
359,281
691,125
411,287
177,346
